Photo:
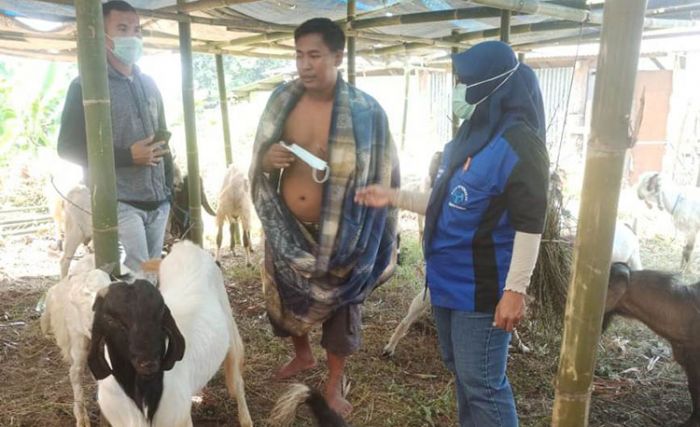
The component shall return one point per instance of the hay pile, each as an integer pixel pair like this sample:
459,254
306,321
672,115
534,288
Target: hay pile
550,279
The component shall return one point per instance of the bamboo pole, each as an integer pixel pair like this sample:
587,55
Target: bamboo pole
455,119
200,5
472,36
351,43
193,181
538,7
224,108
260,38
424,17
505,26
609,140
92,62
407,85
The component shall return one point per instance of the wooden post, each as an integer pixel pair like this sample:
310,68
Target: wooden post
609,140
92,62
196,229
407,85
505,26
223,100
455,119
351,43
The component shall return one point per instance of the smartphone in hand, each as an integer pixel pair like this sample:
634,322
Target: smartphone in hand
162,135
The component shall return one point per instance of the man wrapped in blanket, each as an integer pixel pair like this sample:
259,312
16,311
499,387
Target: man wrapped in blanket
318,139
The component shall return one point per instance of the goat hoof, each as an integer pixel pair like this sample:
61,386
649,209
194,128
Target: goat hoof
388,353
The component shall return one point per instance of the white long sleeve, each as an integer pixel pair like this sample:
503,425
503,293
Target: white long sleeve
526,247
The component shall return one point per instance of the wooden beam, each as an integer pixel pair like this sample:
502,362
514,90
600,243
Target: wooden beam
424,17
538,7
455,80
351,43
201,5
223,101
250,40
505,26
605,156
473,36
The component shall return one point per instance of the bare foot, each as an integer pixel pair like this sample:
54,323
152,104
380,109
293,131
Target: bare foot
293,367
339,404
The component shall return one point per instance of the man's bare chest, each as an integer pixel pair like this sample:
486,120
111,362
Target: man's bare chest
309,127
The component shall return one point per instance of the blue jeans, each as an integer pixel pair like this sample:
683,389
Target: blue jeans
142,233
476,353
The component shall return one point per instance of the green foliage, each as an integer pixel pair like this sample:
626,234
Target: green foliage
30,112
238,71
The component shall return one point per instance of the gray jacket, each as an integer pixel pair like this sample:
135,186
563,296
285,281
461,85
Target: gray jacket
137,113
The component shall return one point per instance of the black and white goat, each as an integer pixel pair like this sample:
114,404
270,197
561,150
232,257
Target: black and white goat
234,206
682,203
625,249
667,307
284,412
163,347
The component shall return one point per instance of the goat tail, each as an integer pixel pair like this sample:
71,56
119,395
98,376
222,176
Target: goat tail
285,409
284,412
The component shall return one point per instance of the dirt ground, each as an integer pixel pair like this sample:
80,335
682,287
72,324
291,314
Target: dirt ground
636,383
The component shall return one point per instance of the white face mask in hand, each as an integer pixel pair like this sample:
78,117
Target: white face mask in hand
311,160
463,109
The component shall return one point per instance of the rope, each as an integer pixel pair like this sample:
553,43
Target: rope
53,184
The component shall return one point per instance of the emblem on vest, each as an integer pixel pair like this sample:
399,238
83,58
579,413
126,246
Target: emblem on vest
458,198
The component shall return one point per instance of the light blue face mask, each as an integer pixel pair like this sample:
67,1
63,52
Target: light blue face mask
127,49
463,109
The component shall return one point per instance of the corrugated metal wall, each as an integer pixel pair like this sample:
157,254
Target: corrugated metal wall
441,104
554,83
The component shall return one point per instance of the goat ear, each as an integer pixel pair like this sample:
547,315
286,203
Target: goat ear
96,356
176,342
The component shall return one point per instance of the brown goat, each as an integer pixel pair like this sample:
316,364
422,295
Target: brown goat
667,307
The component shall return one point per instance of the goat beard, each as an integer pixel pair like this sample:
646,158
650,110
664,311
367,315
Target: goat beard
147,393
144,391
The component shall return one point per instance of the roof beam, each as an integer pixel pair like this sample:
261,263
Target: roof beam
423,17
537,7
200,5
477,35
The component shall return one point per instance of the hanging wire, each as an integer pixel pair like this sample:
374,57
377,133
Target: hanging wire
568,97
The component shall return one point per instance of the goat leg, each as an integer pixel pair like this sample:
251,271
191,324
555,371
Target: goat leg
78,360
233,230
246,246
419,305
687,359
219,236
233,374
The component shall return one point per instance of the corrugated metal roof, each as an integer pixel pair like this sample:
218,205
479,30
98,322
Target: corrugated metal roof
220,29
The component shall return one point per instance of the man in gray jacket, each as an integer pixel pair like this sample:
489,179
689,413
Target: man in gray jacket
143,162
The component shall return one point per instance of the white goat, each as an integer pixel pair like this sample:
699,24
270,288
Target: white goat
682,203
68,316
78,224
193,310
625,249
234,206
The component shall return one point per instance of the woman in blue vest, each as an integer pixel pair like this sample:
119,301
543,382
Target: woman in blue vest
484,220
